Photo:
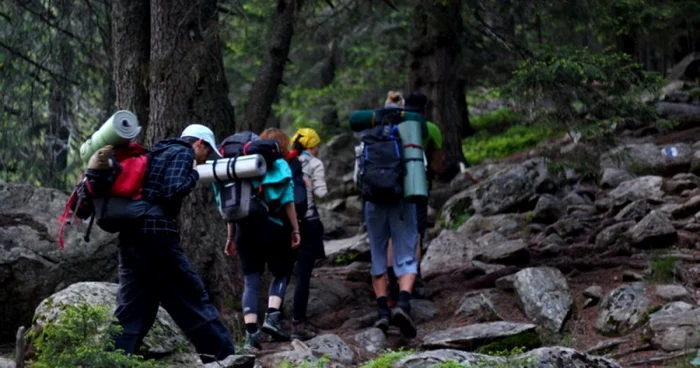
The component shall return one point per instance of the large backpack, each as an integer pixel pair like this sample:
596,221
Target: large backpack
237,198
112,197
381,164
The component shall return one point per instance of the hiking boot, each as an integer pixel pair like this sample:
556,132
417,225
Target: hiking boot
272,327
302,331
382,324
252,341
402,319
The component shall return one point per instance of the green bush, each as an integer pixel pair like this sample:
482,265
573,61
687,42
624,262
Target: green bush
482,146
496,120
387,359
80,339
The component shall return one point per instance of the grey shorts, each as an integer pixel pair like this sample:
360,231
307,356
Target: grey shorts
398,222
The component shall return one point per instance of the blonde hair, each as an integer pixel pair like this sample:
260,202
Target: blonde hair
280,136
394,99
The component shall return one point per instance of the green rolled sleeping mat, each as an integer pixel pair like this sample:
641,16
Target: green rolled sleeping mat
120,128
365,119
415,183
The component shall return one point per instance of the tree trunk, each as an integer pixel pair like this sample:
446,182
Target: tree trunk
436,69
188,85
131,35
60,106
269,77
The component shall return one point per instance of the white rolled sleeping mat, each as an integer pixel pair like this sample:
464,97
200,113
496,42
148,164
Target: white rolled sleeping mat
229,169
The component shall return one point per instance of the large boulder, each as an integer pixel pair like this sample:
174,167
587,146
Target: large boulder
645,187
654,231
544,296
348,249
613,177
649,159
164,337
549,209
547,357
682,112
474,336
505,224
451,251
676,330
332,346
32,265
338,156
622,310
325,297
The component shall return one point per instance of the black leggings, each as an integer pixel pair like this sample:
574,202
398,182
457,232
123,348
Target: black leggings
278,286
311,250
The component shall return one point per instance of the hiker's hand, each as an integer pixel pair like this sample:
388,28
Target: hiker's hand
230,248
296,239
194,165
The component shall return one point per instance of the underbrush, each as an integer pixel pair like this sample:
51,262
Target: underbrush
485,145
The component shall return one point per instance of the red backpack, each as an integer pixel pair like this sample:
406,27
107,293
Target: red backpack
111,197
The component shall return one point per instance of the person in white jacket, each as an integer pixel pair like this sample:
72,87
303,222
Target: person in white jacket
311,228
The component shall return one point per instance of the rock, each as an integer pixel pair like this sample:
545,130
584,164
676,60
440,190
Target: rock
594,292
486,267
451,251
681,183
629,276
233,361
506,283
547,357
6,363
648,159
364,319
353,204
356,247
473,336
678,96
654,231
581,210
338,156
574,198
301,354
606,345
671,308
634,211
512,252
611,234
511,191
356,271
683,113
459,205
689,208
506,224
335,223
676,331
490,240
622,310
548,209
544,296
163,338
672,293
566,227
372,340
334,346
325,295
32,265
423,310
478,304
333,205
613,177
640,188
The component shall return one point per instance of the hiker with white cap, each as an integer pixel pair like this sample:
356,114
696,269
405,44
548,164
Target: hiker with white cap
153,268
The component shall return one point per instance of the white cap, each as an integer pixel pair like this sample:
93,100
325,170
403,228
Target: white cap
203,133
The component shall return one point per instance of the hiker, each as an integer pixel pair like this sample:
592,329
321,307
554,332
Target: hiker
267,241
387,215
432,147
153,268
307,141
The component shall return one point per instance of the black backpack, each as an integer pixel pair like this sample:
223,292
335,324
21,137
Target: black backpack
382,165
301,203
238,199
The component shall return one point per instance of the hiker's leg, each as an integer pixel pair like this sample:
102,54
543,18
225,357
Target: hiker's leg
187,301
422,220
305,265
252,261
137,303
405,237
278,264
378,232
393,286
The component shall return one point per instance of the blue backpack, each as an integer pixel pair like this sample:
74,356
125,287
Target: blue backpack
381,165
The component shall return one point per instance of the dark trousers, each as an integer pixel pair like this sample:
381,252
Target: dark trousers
153,270
311,249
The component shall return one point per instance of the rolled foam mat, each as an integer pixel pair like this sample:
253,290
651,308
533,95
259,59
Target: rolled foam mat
227,169
120,128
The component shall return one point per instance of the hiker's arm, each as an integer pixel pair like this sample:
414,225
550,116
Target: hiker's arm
180,177
292,216
318,181
436,161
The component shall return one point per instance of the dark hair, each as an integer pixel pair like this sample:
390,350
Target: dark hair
190,140
416,100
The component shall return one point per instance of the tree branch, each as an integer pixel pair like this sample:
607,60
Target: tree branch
37,65
388,2
47,21
7,17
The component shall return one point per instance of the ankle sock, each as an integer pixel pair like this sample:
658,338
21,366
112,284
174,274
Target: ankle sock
405,300
383,306
272,310
251,328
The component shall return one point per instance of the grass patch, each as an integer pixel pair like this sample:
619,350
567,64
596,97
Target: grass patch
387,359
662,269
495,121
515,139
